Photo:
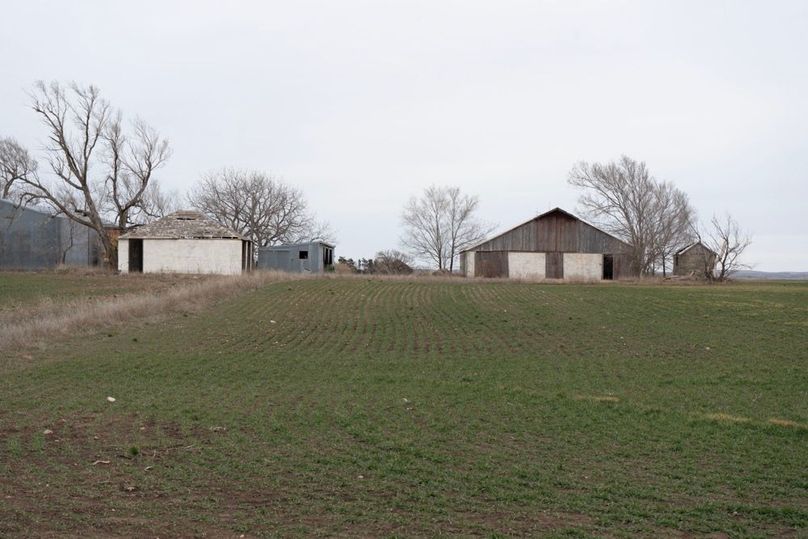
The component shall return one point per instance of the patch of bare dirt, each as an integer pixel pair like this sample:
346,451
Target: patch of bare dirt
93,475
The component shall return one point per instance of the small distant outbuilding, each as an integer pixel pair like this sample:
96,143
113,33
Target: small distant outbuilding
184,242
695,260
310,257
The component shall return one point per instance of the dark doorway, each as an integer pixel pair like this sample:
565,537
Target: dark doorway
491,264
246,255
554,265
608,267
135,256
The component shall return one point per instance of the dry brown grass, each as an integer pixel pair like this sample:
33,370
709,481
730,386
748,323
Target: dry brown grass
597,398
786,423
81,270
727,417
47,320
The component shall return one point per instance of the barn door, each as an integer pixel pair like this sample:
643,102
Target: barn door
135,256
608,267
491,264
554,265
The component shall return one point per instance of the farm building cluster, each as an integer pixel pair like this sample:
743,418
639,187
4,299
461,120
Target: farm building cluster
189,242
182,242
553,245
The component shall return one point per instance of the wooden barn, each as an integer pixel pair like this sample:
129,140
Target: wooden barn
696,260
553,245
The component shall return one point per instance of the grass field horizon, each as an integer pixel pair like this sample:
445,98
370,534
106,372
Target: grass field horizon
368,407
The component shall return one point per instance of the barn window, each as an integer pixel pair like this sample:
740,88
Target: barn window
304,255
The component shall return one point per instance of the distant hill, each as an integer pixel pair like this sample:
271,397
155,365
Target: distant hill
772,275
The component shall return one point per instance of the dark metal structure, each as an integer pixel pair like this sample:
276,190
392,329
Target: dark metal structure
33,239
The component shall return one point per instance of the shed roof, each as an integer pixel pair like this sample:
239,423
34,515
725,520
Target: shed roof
48,211
693,245
182,225
288,246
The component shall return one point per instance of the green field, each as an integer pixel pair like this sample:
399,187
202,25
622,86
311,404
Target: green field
419,408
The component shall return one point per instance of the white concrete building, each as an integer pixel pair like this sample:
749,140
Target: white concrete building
184,242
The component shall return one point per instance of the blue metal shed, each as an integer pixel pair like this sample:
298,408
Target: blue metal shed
311,257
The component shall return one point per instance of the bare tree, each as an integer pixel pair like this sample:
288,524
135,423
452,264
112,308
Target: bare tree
258,206
155,203
729,242
624,199
130,194
98,172
424,226
464,230
318,230
392,262
440,224
16,165
673,219
66,246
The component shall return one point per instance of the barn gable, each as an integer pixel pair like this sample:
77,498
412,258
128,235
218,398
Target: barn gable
697,248
555,231
696,259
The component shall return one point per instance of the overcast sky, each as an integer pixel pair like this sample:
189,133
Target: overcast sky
362,104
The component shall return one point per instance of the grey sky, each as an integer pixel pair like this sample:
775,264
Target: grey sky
363,103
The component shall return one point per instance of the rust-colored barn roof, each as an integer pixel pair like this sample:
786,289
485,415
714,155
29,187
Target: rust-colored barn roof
182,225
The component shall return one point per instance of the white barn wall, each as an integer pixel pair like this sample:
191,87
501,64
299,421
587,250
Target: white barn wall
526,265
583,266
222,256
123,256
